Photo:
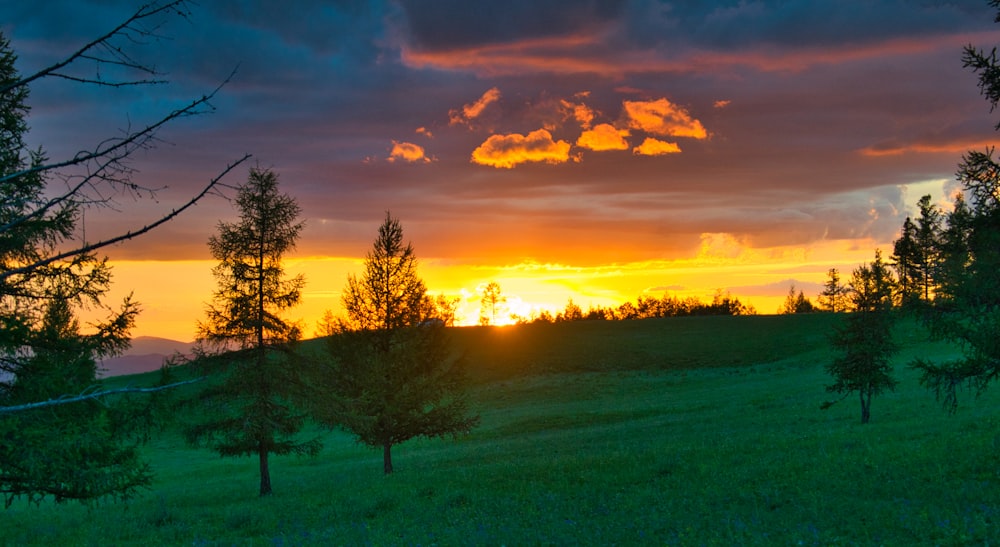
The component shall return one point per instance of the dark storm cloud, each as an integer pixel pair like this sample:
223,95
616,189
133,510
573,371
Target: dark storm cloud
733,25
451,24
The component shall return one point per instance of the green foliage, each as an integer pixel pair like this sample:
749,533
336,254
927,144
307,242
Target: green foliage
251,406
391,375
969,308
78,451
866,341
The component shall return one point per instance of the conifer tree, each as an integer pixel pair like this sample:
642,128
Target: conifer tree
929,242
907,259
251,406
51,448
796,303
834,295
968,307
391,375
865,341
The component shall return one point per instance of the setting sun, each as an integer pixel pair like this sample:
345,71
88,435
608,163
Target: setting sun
595,158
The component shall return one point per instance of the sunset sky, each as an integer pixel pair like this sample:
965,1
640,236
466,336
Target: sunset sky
593,150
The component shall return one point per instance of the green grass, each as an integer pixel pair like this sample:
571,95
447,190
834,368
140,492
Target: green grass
688,431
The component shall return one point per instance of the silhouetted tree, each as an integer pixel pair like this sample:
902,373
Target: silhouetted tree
865,341
626,311
250,407
58,440
929,228
796,303
445,309
391,375
571,312
724,303
954,251
834,296
969,311
491,304
906,256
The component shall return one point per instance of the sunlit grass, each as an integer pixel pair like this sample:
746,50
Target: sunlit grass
647,441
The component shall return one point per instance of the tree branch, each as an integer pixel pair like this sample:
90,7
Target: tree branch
87,396
125,28
123,237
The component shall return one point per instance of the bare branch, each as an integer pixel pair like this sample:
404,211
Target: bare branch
123,237
117,149
128,29
94,395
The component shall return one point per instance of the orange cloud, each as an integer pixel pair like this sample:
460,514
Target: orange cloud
562,55
425,132
507,151
408,152
472,111
582,113
604,137
661,117
895,148
655,147
722,103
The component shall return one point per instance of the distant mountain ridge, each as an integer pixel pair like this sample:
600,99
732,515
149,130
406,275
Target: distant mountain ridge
146,354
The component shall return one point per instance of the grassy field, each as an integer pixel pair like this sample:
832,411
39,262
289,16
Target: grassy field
685,431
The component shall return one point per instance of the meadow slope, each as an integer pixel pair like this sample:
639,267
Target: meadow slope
684,431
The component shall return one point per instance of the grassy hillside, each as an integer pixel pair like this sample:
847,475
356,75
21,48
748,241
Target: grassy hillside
693,431
653,344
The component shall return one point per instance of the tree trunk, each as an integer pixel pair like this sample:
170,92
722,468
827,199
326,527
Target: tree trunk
866,406
387,457
265,472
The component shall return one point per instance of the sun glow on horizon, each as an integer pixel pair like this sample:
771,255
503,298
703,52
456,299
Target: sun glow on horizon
173,294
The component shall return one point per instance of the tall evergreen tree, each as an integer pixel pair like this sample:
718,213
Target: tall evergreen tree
928,242
252,409
953,249
970,310
834,295
907,259
77,451
391,375
796,303
865,341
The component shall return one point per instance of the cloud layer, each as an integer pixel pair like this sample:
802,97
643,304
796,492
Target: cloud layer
572,132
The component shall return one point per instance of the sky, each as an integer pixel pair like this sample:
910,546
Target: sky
567,149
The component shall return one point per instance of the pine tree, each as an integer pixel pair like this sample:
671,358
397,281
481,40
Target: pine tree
907,257
969,309
928,237
391,375
865,341
834,295
796,303
251,406
74,452
954,252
